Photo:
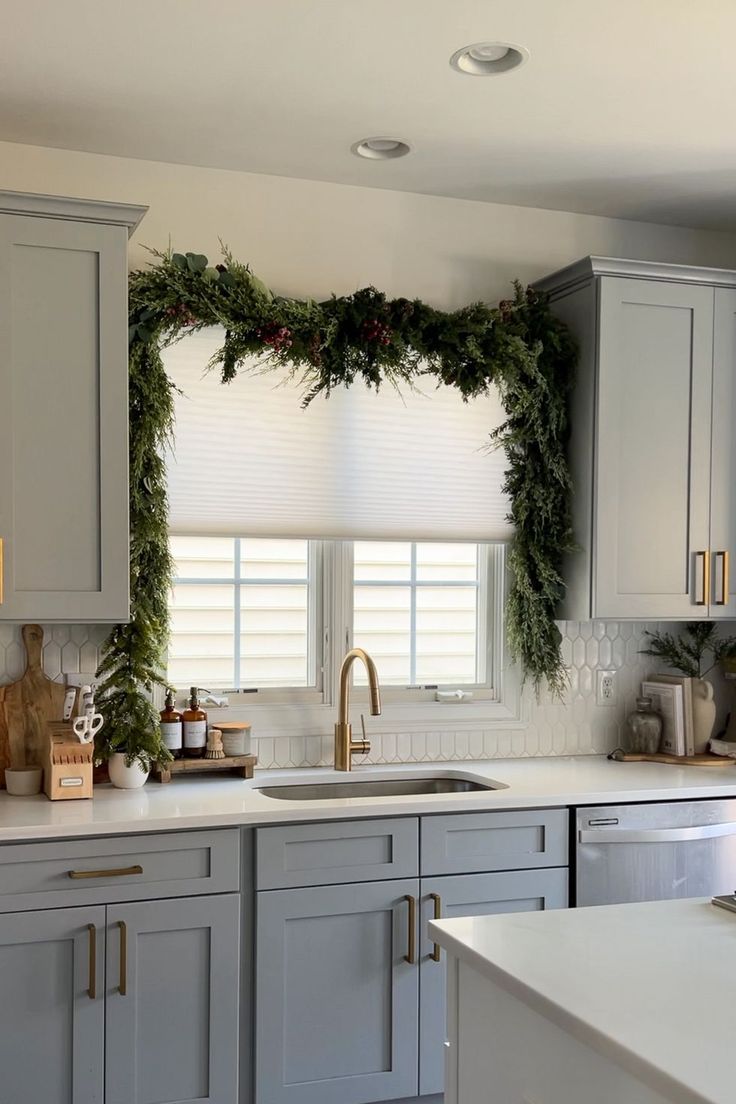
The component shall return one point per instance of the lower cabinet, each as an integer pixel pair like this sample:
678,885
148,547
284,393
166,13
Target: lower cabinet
468,895
121,1004
52,1017
337,990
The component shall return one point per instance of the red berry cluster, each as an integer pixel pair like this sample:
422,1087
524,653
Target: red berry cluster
375,330
278,337
181,314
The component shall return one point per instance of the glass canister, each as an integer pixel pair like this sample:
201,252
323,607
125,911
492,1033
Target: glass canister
643,728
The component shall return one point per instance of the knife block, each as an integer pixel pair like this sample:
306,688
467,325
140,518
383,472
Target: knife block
67,767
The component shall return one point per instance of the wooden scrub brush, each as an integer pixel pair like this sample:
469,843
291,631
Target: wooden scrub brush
214,745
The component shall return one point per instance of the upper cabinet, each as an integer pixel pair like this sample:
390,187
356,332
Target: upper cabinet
653,449
63,409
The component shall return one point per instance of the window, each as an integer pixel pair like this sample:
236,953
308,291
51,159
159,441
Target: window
247,613
374,519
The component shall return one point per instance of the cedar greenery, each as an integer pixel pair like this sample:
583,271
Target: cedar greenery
686,653
519,347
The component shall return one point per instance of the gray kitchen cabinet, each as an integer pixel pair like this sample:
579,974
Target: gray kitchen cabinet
63,409
52,1012
651,444
468,895
336,998
171,1010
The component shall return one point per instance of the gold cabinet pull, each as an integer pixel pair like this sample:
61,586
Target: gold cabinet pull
2,571
437,950
118,872
123,981
92,987
723,600
703,601
411,953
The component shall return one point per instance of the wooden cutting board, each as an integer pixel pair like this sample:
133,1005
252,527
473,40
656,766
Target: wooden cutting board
26,706
704,760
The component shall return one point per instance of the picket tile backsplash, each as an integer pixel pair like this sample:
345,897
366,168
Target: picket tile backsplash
576,726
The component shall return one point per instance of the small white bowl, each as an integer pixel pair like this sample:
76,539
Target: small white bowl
23,781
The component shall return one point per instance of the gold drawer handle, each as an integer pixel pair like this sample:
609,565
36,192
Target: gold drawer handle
2,571
703,601
92,988
411,953
123,982
723,600
437,951
119,872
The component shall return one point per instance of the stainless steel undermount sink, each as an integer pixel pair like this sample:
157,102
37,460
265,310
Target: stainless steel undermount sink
377,787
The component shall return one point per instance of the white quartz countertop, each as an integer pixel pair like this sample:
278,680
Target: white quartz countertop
211,801
651,986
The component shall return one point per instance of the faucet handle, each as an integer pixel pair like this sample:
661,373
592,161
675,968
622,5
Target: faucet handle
361,747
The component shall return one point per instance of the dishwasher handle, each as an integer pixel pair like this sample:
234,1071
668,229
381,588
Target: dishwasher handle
656,835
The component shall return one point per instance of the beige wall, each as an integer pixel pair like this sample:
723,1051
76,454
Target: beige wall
310,238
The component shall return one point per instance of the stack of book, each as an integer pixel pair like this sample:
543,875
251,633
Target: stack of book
672,697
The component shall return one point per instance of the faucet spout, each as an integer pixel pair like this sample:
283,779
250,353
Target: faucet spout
345,746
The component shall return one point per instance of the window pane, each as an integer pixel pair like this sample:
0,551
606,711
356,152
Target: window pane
201,646
274,559
380,561
419,618
382,625
253,630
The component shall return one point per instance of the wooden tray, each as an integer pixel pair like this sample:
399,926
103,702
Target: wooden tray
676,760
242,765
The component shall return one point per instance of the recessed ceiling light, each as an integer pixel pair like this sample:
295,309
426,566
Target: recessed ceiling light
483,59
380,149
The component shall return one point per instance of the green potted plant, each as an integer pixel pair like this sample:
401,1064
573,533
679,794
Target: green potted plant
130,738
695,654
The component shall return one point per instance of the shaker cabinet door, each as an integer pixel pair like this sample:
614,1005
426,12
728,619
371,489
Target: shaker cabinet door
723,458
63,420
652,504
469,895
172,1001
336,1000
52,1021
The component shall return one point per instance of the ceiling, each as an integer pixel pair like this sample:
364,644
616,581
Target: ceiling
625,107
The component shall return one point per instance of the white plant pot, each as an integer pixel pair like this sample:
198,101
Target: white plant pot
124,777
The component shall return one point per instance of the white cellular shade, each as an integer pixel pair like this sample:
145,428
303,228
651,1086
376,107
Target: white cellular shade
248,460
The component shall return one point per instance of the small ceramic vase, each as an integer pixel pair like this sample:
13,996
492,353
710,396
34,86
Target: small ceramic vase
704,714
124,777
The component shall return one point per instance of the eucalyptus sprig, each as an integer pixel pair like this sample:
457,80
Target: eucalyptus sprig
519,347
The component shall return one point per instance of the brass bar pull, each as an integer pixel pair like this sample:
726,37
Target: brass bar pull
123,982
703,601
723,600
437,950
2,571
92,987
411,954
119,872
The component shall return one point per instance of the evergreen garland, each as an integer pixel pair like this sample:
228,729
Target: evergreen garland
520,347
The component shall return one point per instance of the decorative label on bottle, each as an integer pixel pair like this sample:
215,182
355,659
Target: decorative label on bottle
171,735
195,734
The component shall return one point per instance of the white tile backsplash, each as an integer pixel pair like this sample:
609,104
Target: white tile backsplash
576,726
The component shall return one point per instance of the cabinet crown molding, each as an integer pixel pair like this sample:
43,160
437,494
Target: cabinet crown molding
582,271
71,209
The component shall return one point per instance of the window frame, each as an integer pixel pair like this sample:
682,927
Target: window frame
310,711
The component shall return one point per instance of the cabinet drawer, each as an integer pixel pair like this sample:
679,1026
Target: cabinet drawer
466,843
124,868
340,851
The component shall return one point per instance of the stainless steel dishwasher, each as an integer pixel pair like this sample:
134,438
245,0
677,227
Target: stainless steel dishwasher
655,852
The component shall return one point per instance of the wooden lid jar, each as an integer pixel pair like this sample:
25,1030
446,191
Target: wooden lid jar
236,737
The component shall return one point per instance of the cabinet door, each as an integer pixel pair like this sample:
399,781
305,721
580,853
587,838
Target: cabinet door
52,1021
63,420
652,505
468,895
723,457
172,1001
336,1000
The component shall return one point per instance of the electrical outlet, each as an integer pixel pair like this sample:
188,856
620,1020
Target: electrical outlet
606,692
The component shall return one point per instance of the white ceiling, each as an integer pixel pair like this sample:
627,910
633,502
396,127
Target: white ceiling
625,107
